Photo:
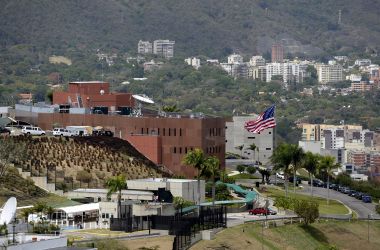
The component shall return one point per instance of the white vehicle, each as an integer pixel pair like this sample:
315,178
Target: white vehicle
280,175
30,130
62,132
80,130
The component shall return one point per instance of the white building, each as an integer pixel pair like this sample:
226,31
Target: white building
329,73
362,62
354,78
164,48
257,61
192,61
234,58
289,71
144,47
185,188
237,135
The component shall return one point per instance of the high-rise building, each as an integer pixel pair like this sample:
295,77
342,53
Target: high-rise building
277,53
329,73
257,61
164,48
193,61
144,47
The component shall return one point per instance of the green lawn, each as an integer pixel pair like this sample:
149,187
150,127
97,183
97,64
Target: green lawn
319,235
334,206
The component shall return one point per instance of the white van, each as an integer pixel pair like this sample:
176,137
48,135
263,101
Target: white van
30,130
62,132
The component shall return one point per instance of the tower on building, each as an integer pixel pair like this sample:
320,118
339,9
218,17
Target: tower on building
277,53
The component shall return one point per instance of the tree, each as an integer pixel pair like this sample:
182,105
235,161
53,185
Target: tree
327,165
49,210
115,185
212,170
178,202
240,168
251,169
40,208
307,210
311,164
297,155
170,108
196,158
282,159
265,174
253,147
240,148
84,176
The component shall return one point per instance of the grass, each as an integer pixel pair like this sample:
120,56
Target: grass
322,235
334,206
243,176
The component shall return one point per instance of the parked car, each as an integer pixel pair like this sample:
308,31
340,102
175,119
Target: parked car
367,198
346,190
359,195
317,183
298,179
102,133
334,186
352,193
280,175
5,131
262,210
30,130
62,132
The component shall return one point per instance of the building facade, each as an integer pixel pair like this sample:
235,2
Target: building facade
237,135
277,53
164,48
329,73
144,47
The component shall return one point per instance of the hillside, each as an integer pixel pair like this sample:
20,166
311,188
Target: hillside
77,162
208,27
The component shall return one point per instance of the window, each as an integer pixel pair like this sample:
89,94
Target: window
142,131
268,149
175,132
169,131
180,132
147,131
164,131
185,150
251,137
175,150
180,150
158,131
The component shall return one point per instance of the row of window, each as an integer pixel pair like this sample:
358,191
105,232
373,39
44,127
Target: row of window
215,132
212,150
180,150
163,132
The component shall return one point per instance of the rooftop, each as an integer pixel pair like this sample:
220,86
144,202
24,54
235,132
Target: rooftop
105,191
162,180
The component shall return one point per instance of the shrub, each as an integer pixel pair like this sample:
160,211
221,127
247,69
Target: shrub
251,169
307,210
240,168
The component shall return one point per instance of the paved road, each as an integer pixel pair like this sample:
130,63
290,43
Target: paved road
362,209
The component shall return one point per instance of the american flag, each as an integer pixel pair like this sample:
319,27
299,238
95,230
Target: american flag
264,121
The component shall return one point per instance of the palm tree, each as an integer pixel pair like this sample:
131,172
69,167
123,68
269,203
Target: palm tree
241,149
281,159
327,164
311,164
116,184
253,147
170,108
196,158
297,155
212,170
40,208
49,210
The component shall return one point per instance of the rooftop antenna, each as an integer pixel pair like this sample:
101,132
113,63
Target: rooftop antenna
340,17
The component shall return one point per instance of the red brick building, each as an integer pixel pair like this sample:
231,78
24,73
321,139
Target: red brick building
164,140
94,95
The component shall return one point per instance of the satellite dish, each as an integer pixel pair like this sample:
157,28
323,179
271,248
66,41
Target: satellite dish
8,212
143,99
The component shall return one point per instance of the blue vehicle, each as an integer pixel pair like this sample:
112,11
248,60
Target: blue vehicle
366,198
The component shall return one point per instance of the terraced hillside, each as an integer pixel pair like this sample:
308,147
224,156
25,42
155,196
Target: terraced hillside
89,161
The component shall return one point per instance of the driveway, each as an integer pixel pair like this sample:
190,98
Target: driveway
362,209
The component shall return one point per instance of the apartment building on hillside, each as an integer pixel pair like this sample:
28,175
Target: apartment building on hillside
329,73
